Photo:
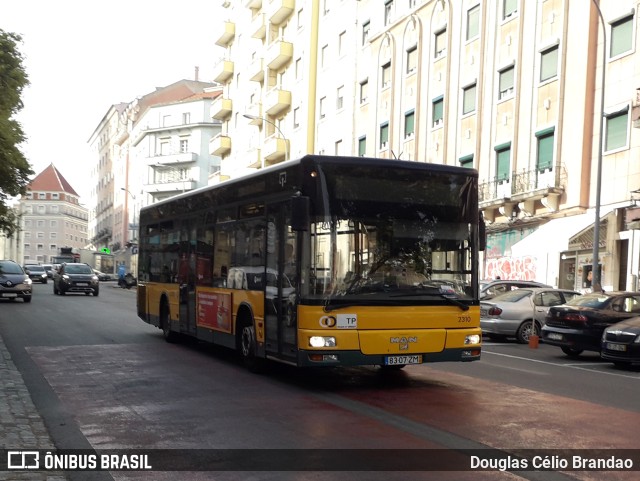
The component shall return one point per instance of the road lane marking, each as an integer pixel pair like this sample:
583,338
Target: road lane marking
569,365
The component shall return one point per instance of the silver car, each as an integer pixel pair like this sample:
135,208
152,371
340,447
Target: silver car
512,313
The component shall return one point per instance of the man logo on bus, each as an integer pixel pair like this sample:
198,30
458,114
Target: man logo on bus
328,321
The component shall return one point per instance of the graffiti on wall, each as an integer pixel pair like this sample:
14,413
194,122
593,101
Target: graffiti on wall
513,268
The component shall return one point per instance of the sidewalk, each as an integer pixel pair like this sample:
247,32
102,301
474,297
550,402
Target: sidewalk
21,426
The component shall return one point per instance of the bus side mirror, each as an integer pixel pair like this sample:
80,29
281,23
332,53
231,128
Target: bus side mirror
300,217
482,233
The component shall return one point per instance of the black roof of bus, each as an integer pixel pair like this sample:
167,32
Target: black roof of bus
327,159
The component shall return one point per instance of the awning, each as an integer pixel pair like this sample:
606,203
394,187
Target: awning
554,235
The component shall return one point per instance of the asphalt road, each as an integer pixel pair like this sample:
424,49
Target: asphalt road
103,379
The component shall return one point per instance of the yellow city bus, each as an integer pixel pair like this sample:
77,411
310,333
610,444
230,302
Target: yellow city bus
320,261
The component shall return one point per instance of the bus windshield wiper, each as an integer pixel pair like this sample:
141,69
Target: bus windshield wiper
448,297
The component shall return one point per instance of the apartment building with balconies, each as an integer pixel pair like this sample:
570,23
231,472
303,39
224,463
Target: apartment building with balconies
510,88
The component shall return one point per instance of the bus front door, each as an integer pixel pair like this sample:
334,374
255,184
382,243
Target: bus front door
280,293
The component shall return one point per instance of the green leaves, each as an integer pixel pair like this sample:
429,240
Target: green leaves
14,167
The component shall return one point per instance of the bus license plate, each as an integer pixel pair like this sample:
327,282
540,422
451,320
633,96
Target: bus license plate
612,346
396,360
555,336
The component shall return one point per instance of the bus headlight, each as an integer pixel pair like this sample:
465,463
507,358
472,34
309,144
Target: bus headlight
472,339
322,341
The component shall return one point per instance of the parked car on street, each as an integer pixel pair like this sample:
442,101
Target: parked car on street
14,282
621,342
578,325
76,277
512,313
102,276
36,273
490,289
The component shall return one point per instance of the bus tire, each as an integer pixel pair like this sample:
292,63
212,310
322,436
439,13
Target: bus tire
165,323
247,348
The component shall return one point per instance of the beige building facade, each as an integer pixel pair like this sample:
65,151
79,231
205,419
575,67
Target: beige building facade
508,87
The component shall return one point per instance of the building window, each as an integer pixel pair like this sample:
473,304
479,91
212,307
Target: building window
186,118
53,235
506,83
341,43
386,75
412,59
300,19
549,64
409,124
27,247
388,7
364,91
184,146
340,97
366,26
473,22
509,8
503,160
441,44
55,196
298,69
362,146
165,147
42,195
53,247
469,99
438,111
40,247
384,135
40,223
323,101
466,161
325,7
296,117
338,147
621,36
323,55
166,120
53,224
617,130
544,161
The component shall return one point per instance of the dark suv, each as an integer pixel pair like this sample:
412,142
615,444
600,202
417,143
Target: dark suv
75,277
14,282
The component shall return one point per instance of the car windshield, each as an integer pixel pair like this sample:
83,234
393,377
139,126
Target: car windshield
512,296
35,268
589,300
10,268
78,269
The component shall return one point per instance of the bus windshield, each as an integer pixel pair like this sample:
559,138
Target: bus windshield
390,237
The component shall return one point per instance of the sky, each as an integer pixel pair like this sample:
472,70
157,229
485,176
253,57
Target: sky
82,57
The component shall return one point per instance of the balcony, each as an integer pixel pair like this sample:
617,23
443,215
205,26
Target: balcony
256,70
221,108
275,149
220,145
255,158
253,4
223,72
227,35
177,158
280,10
258,26
277,101
279,54
172,186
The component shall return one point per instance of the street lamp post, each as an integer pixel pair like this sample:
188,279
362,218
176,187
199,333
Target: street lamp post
134,211
595,273
286,142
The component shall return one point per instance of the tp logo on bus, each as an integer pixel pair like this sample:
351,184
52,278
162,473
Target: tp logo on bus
23,460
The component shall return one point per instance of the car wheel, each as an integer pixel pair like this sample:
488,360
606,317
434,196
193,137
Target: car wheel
248,349
44,282
95,293
571,351
524,332
62,293
26,299
165,324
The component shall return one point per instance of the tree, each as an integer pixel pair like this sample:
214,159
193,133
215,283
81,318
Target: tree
14,167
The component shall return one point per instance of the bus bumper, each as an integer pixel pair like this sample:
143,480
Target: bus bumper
356,358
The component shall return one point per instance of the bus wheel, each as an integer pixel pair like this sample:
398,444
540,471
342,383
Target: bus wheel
165,324
248,349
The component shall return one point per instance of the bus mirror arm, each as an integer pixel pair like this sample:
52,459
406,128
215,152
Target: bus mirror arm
300,217
482,233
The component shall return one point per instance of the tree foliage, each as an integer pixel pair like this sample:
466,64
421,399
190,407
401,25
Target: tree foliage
14,167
